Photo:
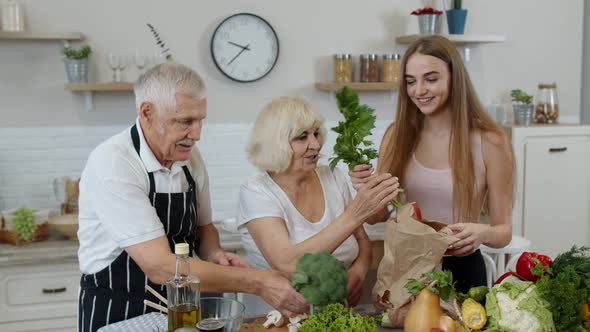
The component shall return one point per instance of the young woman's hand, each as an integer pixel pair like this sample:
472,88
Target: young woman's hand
356,277
470,235
360,175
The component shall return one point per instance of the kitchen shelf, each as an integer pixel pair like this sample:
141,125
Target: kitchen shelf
27,35
357,86
94,87
457,39
89,88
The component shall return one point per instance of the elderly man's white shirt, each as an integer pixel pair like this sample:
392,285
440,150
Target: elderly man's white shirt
114,207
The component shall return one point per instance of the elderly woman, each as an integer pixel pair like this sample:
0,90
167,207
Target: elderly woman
295,206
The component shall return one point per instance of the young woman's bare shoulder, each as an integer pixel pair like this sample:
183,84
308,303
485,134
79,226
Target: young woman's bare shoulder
495,146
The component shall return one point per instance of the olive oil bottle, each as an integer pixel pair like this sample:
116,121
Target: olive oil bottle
184,292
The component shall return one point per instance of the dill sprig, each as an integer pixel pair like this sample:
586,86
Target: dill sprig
160,42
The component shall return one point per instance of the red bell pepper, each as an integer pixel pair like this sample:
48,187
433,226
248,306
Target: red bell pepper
417,211
527,261
506,275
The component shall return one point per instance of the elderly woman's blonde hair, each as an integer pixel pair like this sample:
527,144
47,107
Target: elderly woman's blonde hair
279,122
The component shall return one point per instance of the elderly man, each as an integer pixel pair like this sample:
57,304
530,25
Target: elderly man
145,189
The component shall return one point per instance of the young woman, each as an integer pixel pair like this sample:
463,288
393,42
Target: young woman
449,155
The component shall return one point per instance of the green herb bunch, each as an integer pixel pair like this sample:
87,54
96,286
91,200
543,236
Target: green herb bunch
444,286
76,54
351,146
519,96
23,223
357,125
566,286
160,42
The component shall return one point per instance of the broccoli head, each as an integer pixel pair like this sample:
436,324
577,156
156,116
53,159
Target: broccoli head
320,278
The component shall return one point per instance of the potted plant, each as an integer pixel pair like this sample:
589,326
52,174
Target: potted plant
428,20
24,225
456,17
76,61
522,104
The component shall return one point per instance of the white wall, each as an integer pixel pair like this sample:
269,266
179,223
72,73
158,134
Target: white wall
544,44
586,68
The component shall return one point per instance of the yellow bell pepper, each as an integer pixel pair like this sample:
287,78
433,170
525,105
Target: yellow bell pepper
586,311
474,314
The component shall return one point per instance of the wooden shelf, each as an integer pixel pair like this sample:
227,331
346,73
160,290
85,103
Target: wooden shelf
90,88
357,86
457,39
26,35
96,87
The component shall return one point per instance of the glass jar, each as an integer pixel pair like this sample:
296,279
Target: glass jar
390,67
342,68
369,71
546,105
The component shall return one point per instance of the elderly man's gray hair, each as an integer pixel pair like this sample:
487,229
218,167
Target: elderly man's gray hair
160,84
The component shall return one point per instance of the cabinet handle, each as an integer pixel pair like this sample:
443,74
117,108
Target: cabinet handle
552,150
54,290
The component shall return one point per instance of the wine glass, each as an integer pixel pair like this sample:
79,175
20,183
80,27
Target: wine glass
123,62
113,60
141,61
158,58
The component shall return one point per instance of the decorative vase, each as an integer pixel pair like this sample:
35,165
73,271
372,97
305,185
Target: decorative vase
429,24
456,21
77,70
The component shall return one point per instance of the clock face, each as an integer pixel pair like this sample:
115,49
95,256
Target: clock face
245,47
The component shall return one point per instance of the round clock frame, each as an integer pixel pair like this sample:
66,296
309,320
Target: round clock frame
249,42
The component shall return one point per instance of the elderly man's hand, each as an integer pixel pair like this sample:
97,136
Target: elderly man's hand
276,290
221,257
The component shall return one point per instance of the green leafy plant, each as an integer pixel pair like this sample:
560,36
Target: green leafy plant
358,123
23,223
338,318
160,42
519,96
439,282
76,54
352,132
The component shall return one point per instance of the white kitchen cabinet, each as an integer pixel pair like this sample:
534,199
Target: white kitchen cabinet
552,189
39,287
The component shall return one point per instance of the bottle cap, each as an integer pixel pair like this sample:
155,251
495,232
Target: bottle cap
181,249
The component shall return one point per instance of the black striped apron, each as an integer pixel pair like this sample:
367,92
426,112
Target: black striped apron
117,292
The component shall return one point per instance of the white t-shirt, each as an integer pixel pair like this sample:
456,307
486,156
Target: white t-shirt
261,197
114,207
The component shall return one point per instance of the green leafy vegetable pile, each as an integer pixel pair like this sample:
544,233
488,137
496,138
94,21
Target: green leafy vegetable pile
23,223
443,287
320,278
337,318
566,287
351,146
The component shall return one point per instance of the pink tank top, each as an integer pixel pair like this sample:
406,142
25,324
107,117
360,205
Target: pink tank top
432,189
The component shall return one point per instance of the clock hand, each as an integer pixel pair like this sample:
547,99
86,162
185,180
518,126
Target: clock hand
238,45
237,55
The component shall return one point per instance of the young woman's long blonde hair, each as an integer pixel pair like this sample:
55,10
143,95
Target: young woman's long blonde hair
467,114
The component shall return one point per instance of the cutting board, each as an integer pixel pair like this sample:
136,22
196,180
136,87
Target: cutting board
256,326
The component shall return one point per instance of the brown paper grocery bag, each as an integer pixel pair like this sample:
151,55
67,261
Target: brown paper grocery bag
411,248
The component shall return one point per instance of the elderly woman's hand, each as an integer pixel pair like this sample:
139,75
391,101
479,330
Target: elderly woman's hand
373,196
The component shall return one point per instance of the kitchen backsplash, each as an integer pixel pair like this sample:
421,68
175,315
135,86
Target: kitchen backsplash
30,158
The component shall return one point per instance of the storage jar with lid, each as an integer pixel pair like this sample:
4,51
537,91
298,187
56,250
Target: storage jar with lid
342,68
369,71
390,67
546,105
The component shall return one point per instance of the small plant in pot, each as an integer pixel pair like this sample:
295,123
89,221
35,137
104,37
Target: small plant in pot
76,61
522,104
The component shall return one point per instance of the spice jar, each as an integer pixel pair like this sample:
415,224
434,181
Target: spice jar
369,68
342,68
546,106
390,67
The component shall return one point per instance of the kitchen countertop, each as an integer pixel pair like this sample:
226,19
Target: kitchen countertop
57,249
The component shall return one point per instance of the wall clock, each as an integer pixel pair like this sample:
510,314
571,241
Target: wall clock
245,47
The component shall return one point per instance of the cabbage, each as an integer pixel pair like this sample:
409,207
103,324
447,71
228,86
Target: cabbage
516,306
